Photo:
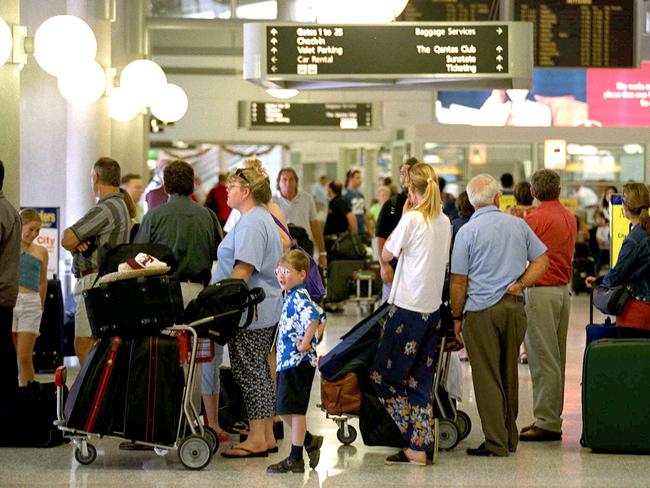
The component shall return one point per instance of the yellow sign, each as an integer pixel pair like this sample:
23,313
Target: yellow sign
506,200
619,227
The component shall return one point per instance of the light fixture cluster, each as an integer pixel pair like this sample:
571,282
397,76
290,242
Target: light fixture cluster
65,47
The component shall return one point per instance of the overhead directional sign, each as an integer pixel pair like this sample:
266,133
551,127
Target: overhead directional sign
450,49
449,10
292,115
280,53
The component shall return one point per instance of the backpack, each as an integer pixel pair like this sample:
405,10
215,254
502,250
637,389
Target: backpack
348,246
228,298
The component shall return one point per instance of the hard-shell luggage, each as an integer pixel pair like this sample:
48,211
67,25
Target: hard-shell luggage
582,267
154,390
137,307
96,400
48,348
357,347
339,278
616,395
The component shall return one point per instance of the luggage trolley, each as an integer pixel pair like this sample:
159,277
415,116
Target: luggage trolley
195,443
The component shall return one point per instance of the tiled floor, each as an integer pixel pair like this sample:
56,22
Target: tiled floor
555,464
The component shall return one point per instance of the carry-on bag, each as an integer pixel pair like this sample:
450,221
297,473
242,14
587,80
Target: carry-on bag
48,348
377,426
232,411
616,395
357,348
581,268
134,308
609,330
154,390
348,247
339,278
96,400
341,396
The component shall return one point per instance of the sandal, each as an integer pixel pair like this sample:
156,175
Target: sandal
247,453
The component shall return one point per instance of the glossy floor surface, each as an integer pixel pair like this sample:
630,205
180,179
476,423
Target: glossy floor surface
552,464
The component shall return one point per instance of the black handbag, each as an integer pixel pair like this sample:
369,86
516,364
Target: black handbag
348,246
610,301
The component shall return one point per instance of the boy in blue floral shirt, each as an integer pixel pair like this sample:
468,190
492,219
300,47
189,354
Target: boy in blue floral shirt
296,361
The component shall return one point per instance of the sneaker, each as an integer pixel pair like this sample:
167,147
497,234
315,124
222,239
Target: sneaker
287,465
313,450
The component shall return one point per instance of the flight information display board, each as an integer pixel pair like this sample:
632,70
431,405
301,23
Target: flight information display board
448,10
316,115
581,33
404,49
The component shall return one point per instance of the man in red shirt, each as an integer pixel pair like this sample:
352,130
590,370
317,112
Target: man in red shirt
217,200
548,304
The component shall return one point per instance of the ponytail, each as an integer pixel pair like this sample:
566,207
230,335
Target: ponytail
130,204
425,182
644,220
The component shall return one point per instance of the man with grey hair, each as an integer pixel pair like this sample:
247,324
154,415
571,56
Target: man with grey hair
489,273
548,305
104,225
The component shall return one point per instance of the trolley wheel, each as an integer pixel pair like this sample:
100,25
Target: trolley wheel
346,439
212,438
194,452
89,457
448,434
463,423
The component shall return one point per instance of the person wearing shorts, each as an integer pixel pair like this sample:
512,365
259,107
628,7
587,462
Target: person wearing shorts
32,290
296,361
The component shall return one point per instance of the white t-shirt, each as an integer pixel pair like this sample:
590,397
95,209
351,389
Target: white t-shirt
423,251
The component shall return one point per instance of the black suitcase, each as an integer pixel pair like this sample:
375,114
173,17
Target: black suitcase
96,400
357,348
154,390
616,395
48,348
339,276
136,307
28,416
232,411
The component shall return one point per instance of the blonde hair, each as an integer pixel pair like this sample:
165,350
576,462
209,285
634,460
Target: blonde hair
296,259
636,199
424,181
254,177
29,215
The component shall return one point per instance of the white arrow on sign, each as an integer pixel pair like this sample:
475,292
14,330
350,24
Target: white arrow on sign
274,40
274,59
274,31
499,48
274,50
499,67
499,30
499,58
274,69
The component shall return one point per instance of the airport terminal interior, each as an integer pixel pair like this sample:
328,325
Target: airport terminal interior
324,87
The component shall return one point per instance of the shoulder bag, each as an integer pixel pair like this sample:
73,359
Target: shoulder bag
610,301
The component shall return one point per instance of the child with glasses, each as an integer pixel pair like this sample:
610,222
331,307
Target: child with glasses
296,361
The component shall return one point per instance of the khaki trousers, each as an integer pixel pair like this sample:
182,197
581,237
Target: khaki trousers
547,309
492,337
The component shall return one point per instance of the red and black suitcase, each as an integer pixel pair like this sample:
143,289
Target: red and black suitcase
97,397
154,390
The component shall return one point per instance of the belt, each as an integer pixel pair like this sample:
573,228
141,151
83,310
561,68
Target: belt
85,273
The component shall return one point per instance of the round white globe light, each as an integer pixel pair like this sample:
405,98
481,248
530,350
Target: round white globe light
62,42
123,105
83,84
282,93
5,41
170,104
358,11
144,79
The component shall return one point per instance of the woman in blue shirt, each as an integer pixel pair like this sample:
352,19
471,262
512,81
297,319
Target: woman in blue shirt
250,251
633,264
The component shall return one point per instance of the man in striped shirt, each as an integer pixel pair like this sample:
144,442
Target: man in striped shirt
104,225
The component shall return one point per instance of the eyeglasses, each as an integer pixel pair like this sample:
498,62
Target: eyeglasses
230,186
282,271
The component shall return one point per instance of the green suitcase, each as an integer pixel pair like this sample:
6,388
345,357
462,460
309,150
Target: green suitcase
616,395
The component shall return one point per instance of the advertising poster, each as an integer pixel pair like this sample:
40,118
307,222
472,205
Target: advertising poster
619,227
49,237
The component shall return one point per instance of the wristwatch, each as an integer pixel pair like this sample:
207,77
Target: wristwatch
458,317
322,253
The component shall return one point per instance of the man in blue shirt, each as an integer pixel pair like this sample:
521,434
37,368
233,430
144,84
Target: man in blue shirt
489,273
